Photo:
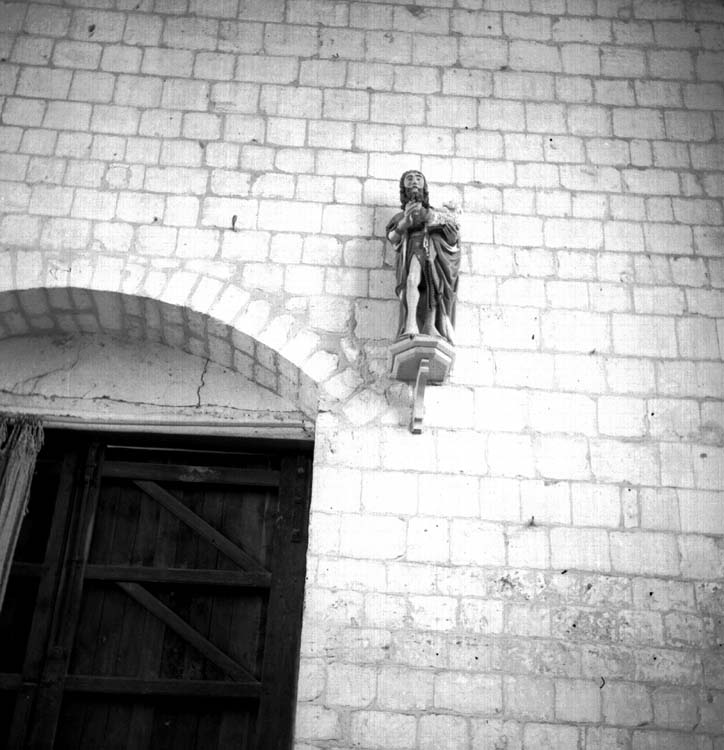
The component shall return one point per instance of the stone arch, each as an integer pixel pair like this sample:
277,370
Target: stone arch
196,313
76,310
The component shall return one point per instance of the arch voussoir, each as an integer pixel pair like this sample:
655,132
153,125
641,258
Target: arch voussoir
201,315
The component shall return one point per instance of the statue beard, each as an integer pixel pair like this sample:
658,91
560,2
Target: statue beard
414,195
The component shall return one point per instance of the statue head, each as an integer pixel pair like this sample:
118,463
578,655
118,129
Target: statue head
413,183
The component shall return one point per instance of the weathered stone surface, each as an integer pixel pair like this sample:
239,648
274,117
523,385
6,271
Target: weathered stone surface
238,163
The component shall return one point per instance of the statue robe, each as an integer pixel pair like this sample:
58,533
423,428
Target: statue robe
439,276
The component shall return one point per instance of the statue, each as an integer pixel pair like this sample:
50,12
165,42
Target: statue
428,262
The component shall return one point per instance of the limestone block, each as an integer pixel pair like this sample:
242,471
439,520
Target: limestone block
45,83
350,685
47,21
191,33
644,553
578,701
404,689
142,29
626,703
528,698
83,55
167,62
476,542
585,549
595,505
372,537
118,58
316,723
427,540
377,729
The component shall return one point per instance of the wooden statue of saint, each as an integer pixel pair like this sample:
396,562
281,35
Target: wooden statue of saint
428,262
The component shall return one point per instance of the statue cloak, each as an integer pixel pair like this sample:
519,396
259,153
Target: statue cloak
440,270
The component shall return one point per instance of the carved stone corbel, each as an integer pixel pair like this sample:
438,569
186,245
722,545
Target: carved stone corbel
420,360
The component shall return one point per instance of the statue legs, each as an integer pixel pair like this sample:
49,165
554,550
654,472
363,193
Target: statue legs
412,292
412,296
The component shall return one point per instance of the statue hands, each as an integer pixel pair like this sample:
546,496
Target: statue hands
415,214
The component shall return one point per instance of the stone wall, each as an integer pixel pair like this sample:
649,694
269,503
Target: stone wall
542,567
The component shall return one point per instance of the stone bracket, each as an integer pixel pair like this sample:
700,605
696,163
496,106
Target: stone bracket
418,397
420,360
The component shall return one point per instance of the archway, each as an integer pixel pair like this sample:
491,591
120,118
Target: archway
94,329
73,311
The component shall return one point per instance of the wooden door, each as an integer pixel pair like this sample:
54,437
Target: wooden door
156,597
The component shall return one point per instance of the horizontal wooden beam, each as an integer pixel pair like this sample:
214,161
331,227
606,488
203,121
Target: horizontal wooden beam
178,473
233,578
178,688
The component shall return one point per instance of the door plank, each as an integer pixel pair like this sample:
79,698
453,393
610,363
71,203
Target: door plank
202,602
207,734
241,621
183,629
148,641
126,646
153,632
81,718
115,514
206,474
208,532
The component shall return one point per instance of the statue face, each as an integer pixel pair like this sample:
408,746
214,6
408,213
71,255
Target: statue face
414,180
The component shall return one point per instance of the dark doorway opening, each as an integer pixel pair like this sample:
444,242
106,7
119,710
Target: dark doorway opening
155,597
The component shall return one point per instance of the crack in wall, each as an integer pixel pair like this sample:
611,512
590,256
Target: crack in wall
202,382
34,381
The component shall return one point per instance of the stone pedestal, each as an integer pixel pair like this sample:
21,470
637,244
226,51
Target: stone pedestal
420,360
